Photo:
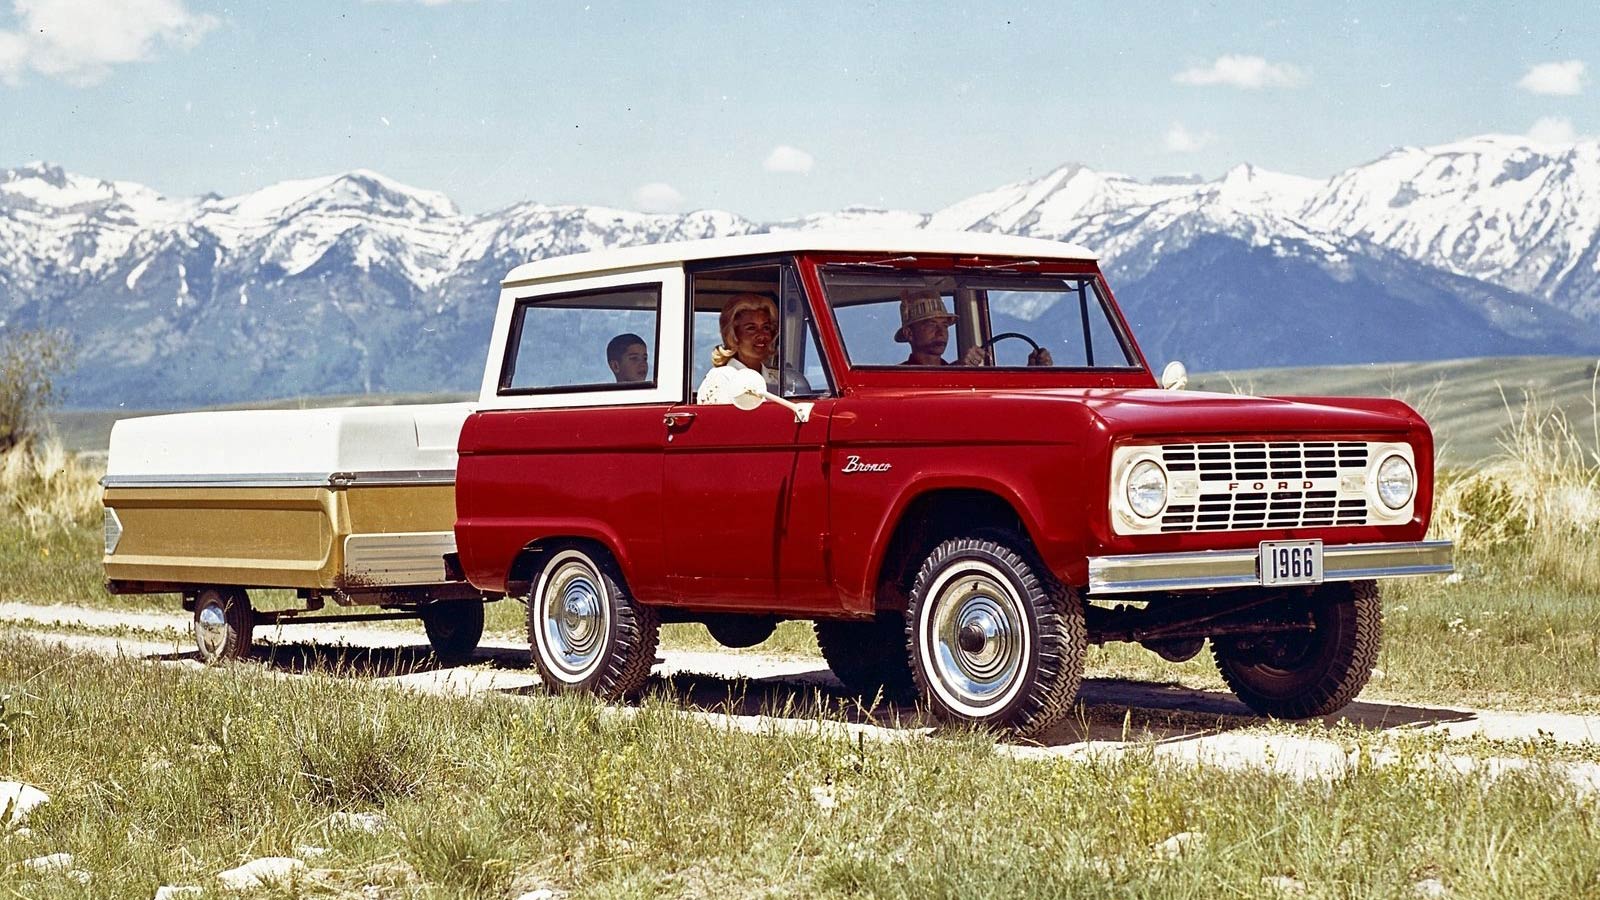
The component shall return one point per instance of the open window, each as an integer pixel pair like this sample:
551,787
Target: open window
770,327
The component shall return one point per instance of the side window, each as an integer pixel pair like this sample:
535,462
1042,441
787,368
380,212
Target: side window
588,340
872,330
1071,318
759,297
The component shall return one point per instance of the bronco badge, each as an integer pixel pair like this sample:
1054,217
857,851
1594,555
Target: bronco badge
854,464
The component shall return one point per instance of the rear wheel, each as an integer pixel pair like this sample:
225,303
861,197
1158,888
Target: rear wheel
994,639
1300,675
586,631
454,628
870,656
224,624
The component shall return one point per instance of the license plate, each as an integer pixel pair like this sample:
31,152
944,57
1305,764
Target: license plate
1291,562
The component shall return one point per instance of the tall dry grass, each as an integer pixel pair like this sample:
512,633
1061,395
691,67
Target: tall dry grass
1536,503
46,488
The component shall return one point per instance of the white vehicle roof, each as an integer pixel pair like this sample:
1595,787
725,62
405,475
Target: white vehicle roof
909,240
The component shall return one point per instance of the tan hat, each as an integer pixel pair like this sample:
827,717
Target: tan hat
917,306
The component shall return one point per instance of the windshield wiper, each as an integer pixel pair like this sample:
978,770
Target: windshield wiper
1020,264
893,262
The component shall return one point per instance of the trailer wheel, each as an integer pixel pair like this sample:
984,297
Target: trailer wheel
1306,674
994,639
454,628
869,657
586,631
224,624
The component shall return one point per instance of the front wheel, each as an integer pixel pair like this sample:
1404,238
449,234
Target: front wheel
454,628
224,624
994,639
1301,675
586,632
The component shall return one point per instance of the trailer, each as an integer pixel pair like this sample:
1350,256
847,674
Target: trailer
352,505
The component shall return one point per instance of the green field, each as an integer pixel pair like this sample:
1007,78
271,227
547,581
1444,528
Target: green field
164,776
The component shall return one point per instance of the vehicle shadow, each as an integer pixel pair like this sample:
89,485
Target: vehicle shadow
1109,710
358,661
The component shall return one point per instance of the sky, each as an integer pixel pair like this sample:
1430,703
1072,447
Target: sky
765,110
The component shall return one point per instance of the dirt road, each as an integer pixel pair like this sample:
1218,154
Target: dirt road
740,691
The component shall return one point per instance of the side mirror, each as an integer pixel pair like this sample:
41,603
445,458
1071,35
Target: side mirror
1175,377
750,391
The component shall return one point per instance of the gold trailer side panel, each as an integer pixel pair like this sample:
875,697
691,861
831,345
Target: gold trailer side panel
292,537
389,509
282,537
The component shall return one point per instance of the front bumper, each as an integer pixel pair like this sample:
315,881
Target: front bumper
1206,569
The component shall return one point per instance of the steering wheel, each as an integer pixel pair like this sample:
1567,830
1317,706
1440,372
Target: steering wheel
1009,334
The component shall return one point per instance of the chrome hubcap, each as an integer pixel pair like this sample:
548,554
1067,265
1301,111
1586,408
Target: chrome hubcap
210,630
576,618
977,638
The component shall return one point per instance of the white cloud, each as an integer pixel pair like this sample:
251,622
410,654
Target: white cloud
1553,130
657,197
1249,73
790,160
1182,140
78,41
1564,79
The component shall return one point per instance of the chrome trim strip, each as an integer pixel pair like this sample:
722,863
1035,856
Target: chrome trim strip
381,559
393,478
1206,569
335,480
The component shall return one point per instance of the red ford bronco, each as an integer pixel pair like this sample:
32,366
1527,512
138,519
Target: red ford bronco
946,450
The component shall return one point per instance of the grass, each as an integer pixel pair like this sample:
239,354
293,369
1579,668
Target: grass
490,797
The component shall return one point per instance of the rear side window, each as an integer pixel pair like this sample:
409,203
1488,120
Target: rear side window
590,340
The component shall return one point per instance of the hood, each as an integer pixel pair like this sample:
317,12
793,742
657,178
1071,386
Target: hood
1158,413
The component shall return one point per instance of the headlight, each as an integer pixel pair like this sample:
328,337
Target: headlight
1147,489
1396,482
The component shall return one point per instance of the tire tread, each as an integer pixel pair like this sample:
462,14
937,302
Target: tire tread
1335,688
633,651
1062,636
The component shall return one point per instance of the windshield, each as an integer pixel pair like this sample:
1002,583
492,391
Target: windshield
1003,320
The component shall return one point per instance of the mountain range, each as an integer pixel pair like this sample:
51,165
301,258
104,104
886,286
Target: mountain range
356,283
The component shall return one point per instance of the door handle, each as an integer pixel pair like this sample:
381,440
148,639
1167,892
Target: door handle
678,419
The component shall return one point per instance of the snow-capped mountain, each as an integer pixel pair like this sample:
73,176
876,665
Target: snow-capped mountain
355,282
1502,209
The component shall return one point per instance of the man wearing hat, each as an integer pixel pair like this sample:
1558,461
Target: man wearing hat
925,325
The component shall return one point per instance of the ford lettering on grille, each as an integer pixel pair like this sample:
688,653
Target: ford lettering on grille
1274,484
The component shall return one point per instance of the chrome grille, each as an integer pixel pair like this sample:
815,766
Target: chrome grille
1221,464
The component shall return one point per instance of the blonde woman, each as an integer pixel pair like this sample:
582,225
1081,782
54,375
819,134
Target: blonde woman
749,326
